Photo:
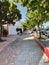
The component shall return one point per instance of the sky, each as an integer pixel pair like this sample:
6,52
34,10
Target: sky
46,24
23,11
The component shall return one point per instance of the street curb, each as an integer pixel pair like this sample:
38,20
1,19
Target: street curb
45,50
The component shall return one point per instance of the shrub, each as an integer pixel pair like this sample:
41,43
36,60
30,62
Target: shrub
5,31
17,29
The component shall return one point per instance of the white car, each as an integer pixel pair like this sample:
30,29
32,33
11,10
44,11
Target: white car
47,32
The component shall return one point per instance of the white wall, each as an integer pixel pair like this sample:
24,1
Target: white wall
12,28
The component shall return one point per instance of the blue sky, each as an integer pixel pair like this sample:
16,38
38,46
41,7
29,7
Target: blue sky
46,24
23,11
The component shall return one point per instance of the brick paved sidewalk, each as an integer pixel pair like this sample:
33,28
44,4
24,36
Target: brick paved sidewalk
24,52
7,41
30,53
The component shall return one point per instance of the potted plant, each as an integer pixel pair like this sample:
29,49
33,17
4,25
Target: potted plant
5,32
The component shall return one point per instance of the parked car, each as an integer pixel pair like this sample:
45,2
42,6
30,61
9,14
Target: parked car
42,31
47,32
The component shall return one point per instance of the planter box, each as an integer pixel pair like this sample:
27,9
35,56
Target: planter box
4,35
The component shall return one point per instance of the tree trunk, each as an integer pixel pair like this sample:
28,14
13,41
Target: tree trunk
0,31
39,31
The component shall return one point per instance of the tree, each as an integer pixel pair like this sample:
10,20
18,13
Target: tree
47,27
41,6
7,13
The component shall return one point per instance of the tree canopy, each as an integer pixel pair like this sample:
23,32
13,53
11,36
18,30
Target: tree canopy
37,10
8,13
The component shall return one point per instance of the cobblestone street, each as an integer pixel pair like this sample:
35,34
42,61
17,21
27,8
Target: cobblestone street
23,51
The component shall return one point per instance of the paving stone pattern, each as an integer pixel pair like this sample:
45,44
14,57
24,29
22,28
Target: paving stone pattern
22,52
30,54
